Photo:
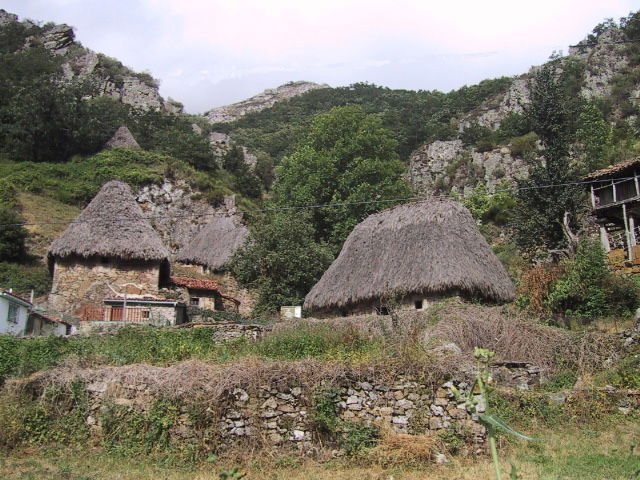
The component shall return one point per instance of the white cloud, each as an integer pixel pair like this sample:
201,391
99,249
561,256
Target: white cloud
219,44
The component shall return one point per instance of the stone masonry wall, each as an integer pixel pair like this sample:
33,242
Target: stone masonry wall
283,416
78,282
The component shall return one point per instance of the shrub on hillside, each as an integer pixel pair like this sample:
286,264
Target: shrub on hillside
12,236
22,279
580,287
521,146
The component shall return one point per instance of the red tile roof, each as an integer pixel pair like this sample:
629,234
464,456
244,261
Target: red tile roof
52,319
195,283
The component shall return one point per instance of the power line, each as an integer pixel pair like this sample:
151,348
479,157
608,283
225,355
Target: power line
327,205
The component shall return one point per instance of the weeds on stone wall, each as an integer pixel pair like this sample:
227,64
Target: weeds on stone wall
352,438
58,416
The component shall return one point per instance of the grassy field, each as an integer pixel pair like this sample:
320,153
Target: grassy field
607,451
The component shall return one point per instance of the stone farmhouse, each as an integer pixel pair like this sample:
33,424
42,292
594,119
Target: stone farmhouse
407,256
110,265
210,252
109,248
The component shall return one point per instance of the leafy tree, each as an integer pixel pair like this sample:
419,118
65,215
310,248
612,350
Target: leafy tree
474,134
495,208
544,198
265,170
12,236
513,125
347,160
172,135
245,181
281,260
233,160
594,135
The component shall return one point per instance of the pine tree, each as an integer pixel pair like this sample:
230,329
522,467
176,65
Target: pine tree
544,197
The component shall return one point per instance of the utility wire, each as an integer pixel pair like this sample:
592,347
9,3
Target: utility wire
327,205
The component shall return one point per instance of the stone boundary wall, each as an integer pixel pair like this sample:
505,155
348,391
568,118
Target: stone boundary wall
283,416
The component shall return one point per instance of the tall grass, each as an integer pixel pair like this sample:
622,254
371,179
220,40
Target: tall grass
129,345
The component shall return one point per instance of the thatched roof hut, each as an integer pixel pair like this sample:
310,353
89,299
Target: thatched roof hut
122,138
215,244
430,247
111,226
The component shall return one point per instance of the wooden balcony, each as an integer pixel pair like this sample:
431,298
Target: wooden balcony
114,314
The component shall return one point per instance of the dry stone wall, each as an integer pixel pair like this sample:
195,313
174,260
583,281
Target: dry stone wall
284,416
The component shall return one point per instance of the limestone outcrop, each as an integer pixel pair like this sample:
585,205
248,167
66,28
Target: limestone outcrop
266,99
114,79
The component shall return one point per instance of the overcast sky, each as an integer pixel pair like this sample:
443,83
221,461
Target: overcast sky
208,53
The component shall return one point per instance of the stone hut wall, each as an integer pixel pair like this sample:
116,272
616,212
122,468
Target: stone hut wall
410,302
78,281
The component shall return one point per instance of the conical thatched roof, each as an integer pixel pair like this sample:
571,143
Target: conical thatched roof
215,244
122,138
112,225
428,247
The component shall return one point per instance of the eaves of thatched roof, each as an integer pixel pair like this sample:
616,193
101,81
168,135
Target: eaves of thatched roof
113,226
215,244
428,247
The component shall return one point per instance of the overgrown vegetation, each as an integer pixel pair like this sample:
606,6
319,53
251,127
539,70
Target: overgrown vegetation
582,287
412,117
347,160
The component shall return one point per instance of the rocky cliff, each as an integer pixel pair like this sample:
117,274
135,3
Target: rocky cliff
114,79
602,64
266,99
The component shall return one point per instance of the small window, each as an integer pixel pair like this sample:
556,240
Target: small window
145,313
194,301
382,310
418,304
104,260
12,314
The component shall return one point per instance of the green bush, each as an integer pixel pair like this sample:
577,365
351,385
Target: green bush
526,144
22,279
12,236
475,134
307,340
562,380
588,289
486,207
627,373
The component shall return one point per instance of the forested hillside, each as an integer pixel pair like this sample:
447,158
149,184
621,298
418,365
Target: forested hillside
413,117
348,151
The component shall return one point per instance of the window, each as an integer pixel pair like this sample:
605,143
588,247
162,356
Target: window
12,314
418,304
382,310
145,313
194,301
104,260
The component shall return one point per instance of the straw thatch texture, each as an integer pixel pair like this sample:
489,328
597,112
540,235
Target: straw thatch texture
428,247
112,225
215,244
122,138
